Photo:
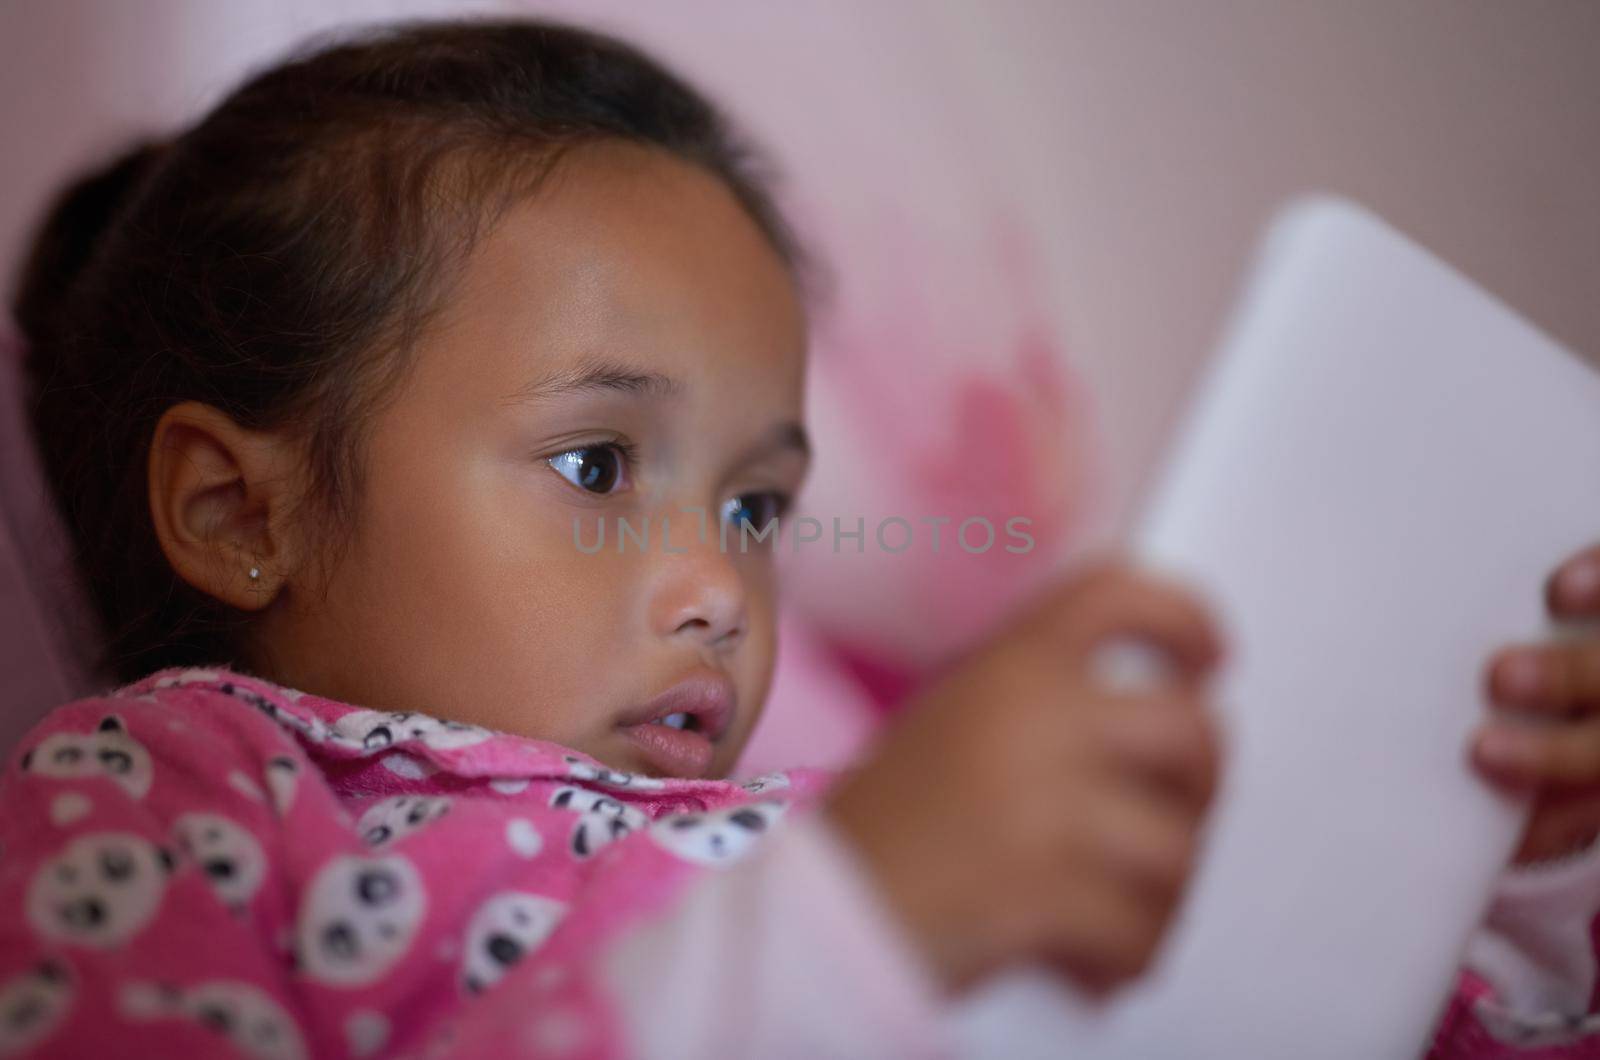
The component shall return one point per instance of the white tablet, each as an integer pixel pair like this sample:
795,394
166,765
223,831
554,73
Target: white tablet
1371,486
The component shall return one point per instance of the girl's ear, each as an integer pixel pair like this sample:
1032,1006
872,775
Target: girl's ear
220,497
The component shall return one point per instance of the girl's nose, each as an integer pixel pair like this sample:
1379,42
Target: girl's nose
699,593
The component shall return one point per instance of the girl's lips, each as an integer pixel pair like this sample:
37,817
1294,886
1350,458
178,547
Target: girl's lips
674,752
708,697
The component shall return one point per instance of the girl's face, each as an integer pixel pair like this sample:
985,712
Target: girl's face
624,346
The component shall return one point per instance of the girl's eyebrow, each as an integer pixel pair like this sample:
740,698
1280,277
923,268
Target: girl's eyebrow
624,378
597,375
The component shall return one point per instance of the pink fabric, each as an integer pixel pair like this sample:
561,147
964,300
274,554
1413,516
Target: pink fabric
1463,1033
205,853
815,715
756,954
1531,976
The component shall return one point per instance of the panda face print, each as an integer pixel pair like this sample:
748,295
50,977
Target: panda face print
505,929
374,730
108,751
358,917
399,816
602,820
246,1016
32,1006
226,852
766,782
582,800
578,769
716,837
310,726
100,891
283,778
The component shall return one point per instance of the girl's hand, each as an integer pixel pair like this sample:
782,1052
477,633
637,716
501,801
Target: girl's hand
1020,811
1558,682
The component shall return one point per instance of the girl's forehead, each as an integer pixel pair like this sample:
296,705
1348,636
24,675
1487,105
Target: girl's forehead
627,255
644,236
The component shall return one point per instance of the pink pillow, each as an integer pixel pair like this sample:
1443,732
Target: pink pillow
816,714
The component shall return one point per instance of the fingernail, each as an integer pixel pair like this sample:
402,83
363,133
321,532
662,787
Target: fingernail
1130,665
1579,581
1502,747
1522,675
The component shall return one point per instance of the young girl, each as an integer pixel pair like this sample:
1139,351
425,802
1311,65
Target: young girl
334,391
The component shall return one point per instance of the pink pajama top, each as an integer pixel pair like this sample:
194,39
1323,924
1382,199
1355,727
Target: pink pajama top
204,863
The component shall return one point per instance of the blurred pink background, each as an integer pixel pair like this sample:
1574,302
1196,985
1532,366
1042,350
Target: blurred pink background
1037,214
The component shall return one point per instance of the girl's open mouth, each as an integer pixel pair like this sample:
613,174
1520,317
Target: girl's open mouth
677,730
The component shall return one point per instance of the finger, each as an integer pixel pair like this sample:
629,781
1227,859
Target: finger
1573,590
1141,839
1115,600
1090,981
1103,936
1526,754
1563,823
1172,739
1558,677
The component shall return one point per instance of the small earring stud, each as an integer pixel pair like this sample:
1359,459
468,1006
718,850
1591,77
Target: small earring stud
255,572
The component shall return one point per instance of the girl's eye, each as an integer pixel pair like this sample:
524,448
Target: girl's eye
595,468
757,509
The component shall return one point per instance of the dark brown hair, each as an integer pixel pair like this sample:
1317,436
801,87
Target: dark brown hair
278,258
